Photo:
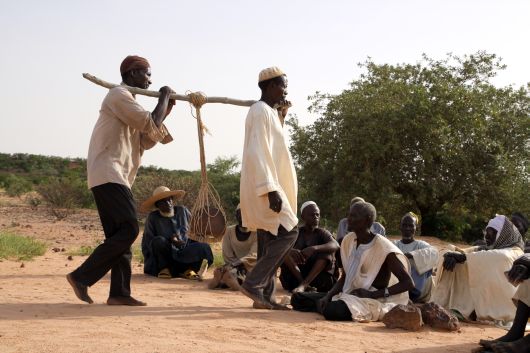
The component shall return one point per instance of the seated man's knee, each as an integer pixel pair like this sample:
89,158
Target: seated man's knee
159,242
337,311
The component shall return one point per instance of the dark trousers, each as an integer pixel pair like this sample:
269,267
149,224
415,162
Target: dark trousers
334,311
117,212
272,250
188,258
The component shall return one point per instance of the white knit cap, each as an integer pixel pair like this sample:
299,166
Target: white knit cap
497,223
305,204
270,72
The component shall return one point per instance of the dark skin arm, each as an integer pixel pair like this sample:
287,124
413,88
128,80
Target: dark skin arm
275,201
393,265
163,107
328,248
293,268
451,259
337,288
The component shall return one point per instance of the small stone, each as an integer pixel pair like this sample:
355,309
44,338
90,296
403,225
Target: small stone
439,318
70,257
63,249
56,249
22,265
407,317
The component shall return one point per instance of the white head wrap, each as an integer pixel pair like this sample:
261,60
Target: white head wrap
305,204
497,223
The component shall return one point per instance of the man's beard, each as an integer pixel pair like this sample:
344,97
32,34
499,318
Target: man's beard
169,214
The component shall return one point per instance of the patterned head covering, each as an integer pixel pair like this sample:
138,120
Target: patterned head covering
508,237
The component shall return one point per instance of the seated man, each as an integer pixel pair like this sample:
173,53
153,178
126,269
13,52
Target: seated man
240,248
472,281
342,229
376,275
422,257
514,340
311,262
167,250
521,223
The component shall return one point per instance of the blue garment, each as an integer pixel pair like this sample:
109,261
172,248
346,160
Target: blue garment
191,252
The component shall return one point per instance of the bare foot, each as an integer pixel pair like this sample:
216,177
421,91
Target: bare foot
299,289
125,301
80,290
259,301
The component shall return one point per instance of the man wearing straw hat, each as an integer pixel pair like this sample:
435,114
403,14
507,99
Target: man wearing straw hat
167,250
268,188
121,134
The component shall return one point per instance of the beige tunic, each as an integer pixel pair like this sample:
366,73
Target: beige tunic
267,166
479,285
121,134
236,252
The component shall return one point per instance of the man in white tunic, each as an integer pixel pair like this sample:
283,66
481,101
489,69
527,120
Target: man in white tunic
376,275
473,280
422,257
268,188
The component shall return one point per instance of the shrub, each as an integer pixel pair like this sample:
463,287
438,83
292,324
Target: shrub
14,185
66,193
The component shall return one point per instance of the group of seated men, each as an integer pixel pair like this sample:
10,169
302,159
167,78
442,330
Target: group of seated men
361,275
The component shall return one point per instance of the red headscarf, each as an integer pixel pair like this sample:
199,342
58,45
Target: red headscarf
133,62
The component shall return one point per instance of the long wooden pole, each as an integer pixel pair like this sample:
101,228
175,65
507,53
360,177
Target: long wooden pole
180,97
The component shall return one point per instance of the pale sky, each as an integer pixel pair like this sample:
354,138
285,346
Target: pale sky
219,47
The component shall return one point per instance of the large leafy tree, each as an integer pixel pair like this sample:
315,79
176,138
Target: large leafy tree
436,137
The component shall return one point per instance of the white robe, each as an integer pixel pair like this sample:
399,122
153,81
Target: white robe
424,259
267,166
479,285
371,257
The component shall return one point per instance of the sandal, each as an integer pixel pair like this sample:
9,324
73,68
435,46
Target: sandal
191,275
164,273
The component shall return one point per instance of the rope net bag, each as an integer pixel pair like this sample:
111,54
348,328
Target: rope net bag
208,218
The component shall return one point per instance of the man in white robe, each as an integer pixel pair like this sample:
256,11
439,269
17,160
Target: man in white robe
376,275
268,188
473,279
422,257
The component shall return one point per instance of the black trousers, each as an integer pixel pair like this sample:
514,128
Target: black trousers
334,311
117,212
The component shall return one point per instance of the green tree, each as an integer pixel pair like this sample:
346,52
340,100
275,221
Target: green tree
224,175
436,137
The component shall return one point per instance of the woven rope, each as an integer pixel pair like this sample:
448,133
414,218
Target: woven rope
208,204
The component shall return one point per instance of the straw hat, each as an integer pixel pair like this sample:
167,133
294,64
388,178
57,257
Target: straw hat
160,193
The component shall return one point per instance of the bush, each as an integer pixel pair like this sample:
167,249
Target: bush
14,185
17,247
66,193
145,184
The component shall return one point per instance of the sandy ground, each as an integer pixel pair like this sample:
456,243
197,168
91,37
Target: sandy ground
39,312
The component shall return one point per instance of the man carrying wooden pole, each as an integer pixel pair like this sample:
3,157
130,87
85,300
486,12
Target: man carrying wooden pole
121,134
